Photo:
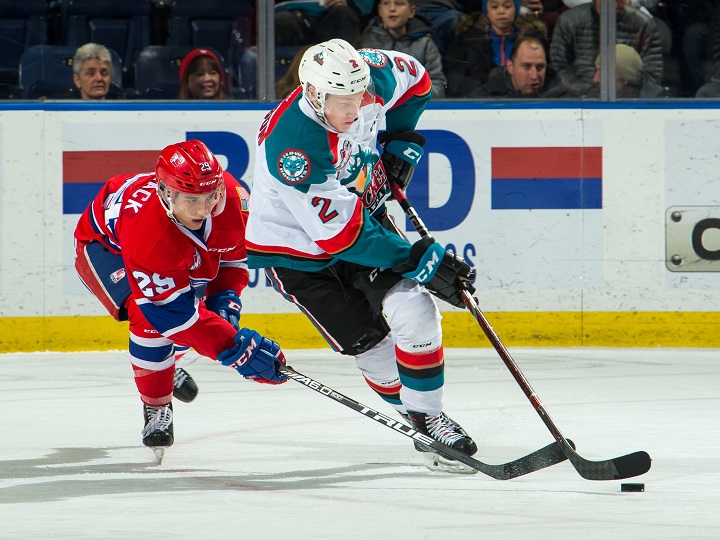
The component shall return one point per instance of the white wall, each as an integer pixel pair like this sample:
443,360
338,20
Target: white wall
654,162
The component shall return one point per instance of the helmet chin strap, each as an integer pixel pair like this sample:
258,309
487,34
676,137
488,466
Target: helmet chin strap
166,201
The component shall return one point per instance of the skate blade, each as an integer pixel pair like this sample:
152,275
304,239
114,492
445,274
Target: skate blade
437,463
159,452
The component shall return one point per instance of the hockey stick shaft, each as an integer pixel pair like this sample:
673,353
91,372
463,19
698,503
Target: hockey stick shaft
540,459
621,467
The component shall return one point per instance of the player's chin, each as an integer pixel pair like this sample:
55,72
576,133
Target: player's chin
193,224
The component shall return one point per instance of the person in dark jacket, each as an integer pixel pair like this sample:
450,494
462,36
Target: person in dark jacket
483,42
398,28
526,75
576,43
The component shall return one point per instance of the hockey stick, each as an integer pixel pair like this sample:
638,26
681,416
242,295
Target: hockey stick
540,459
617,468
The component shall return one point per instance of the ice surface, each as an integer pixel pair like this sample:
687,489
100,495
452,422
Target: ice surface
260,461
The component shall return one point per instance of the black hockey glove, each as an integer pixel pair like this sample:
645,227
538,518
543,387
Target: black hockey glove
442,272
402,151
227,304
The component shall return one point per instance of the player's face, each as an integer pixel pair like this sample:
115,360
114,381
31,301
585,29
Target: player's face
501,14
191,209
93,80
527,70
204,82
342,111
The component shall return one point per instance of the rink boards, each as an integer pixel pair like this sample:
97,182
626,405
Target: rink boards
589,224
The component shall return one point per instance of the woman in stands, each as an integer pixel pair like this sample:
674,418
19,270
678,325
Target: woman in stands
201,76
92,65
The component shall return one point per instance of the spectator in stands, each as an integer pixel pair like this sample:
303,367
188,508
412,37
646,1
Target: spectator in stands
92,65
710,89
526,75
575,43
631,80
201,76
302,23
547,12
398,28
444,16
291,80
484,41
695,36
715,43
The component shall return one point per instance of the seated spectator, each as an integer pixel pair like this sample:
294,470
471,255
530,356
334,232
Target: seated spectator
710,89
444,16
201,76
694,29
548,11
631,80
526,75
575,43
483,42
397,28
302,23
291,80
92,65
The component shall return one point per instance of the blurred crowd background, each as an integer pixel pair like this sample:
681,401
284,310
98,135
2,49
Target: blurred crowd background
245,50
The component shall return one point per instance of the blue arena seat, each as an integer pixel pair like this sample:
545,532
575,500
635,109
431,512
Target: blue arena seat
157,71
47,71
22,25
123,26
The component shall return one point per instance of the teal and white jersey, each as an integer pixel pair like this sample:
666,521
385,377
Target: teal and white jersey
313,186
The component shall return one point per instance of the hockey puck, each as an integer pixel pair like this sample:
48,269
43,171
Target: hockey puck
632,487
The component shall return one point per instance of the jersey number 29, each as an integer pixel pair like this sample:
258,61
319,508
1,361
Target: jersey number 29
152,286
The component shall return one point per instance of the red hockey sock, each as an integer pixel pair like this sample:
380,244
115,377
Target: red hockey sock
155,387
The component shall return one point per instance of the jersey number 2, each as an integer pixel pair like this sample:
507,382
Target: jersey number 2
324,205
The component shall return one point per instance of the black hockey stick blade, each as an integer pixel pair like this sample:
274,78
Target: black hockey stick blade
618,468
547,456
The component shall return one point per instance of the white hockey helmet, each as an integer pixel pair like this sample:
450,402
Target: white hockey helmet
332,67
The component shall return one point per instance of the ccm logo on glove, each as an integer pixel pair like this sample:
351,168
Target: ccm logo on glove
246,355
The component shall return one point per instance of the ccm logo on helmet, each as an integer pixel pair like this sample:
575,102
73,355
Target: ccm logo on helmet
207,183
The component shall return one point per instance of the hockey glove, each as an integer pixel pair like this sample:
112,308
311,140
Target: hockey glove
255,357
227,304
402,151
442,272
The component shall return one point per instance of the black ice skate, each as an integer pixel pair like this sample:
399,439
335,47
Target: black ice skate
445,430
158,431
184,387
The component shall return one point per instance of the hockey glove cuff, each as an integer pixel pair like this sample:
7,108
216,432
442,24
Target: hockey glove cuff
442,272
401,154
227,304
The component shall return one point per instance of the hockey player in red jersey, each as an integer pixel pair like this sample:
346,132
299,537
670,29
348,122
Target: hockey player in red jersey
319,227
166,251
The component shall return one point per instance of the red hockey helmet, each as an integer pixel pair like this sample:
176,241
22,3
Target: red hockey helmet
189,167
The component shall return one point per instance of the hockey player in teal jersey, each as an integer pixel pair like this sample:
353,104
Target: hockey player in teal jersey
319,227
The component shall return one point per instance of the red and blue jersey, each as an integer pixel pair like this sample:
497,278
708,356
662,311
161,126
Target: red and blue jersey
170,267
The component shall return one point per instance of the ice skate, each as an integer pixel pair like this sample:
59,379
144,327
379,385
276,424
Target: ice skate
184,387
445,430
158,431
